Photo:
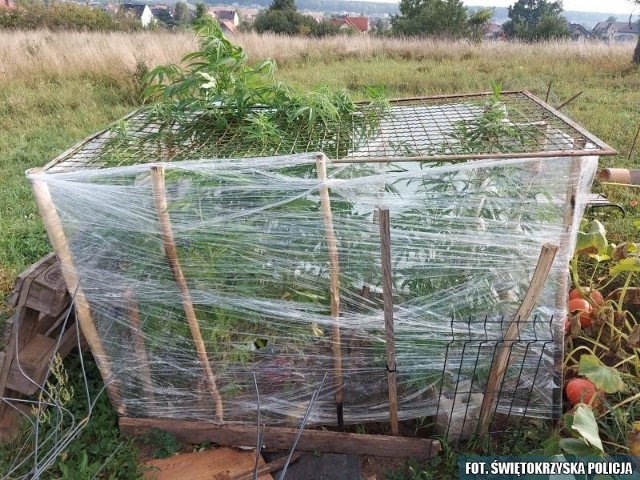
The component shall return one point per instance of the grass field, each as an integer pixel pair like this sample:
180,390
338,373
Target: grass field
57,88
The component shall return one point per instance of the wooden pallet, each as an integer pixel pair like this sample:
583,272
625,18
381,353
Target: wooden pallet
42,325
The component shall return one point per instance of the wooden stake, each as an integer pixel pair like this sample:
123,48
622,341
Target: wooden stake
546,98
501,360
387,296
334,284
564,104
59,242
633,145
565,240
171,253
138,344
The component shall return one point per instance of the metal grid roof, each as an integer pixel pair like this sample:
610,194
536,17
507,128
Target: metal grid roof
439,128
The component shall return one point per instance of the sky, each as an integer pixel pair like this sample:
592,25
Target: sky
606,6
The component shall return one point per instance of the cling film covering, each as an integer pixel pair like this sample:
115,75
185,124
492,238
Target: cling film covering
251,239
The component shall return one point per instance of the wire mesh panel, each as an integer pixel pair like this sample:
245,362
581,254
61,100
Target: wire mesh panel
462,388
462,127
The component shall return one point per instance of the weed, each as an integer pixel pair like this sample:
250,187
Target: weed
218,95
163,444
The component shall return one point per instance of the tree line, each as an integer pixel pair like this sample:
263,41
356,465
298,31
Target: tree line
530,19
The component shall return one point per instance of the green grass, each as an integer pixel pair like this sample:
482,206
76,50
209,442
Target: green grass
41,117
42,113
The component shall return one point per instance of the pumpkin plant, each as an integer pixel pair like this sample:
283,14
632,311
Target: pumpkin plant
603,335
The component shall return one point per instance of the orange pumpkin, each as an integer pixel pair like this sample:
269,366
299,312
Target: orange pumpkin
580,390
595,296
581,305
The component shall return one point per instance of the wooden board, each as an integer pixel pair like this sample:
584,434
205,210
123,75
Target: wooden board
218,464
34,360
48,293
280,438
33,270
8,328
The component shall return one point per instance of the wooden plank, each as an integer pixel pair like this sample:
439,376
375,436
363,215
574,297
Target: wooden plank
33,271
35,359
139,348
218,464
53,225
387,295
472,156
21,332
8,328
171,255
48,293
28,369
281,438
334,284
501,360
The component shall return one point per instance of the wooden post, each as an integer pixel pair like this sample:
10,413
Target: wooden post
138,344
59,242
387,296
171,253
563,282
562,291
334,284
501,360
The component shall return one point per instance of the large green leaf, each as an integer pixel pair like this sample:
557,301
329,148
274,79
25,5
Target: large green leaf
551,446
604,378
630,264
584,423
577,447
593,240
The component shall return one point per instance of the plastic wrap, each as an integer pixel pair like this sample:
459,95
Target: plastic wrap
251,241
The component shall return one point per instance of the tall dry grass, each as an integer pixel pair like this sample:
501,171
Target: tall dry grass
284,48
40,52
27,53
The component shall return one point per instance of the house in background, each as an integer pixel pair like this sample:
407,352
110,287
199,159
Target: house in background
110,8
359,24
617,31
140,11
225,15
578,32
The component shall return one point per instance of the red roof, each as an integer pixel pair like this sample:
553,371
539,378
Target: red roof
360,24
